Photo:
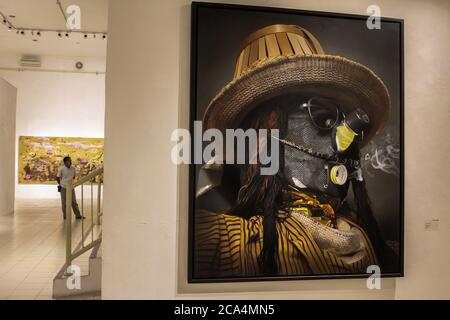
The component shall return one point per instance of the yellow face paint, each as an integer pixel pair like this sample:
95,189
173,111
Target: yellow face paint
344,137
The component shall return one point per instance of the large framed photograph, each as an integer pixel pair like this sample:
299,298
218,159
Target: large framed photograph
297,155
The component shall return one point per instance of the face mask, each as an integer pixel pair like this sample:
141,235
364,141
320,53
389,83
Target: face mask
349,129
313,139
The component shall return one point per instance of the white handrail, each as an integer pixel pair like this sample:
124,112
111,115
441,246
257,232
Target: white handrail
88,177
71,255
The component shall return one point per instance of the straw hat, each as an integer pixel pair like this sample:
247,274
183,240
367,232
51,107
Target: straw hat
281,59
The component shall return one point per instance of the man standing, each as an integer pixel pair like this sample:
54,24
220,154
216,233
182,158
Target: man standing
65,174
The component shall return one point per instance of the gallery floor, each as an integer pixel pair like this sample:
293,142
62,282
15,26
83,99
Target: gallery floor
32,250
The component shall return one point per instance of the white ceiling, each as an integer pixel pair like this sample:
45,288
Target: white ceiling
45,14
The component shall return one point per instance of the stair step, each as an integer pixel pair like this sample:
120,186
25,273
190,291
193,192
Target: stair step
87,296
90,279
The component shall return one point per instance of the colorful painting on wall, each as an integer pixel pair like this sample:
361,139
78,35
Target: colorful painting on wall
40,157
322,93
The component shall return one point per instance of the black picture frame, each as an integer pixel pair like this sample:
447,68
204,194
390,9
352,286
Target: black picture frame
195,7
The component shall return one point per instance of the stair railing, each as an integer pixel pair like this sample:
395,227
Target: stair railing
93,178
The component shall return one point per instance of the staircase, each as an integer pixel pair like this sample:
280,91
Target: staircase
80,276
90,283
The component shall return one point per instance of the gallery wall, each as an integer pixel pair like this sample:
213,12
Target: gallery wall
8,94
60,104
145,221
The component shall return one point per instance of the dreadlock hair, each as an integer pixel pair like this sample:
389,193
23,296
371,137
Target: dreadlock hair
262,193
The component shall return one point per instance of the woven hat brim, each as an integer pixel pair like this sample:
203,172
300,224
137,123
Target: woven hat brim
351,84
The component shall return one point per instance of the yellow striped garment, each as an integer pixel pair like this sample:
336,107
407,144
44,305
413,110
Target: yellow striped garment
229,246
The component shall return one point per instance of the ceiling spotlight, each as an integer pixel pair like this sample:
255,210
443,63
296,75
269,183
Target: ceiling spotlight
67,35
22,32
4,20
59,34
9,28
38,33
104,36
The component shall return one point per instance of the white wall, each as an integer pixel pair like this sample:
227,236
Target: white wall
145,223
7,144
56,104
